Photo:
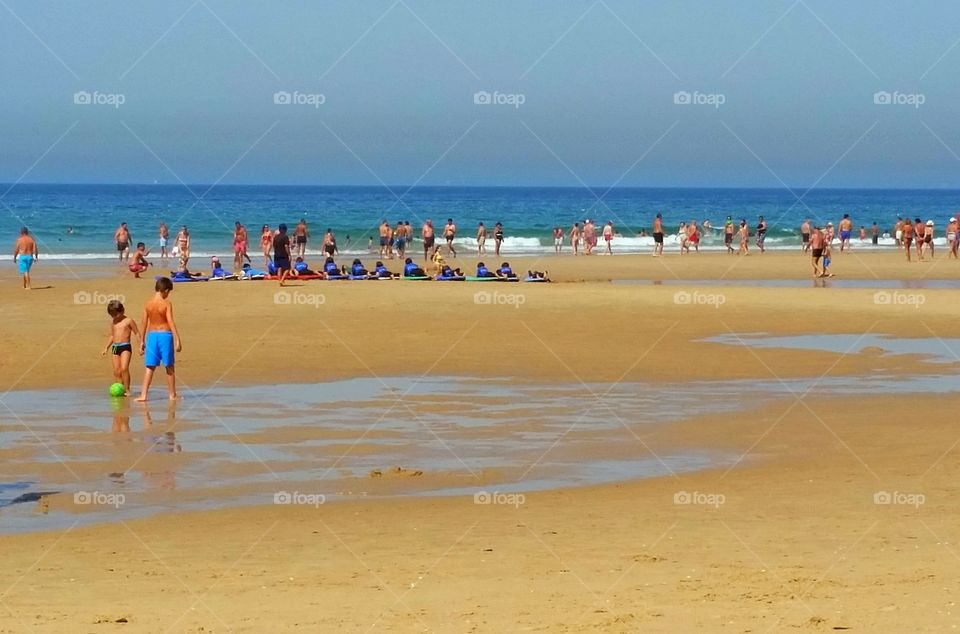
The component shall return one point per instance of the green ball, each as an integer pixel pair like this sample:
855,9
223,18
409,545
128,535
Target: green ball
117,389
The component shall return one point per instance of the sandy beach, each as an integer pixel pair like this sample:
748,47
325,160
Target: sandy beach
834,514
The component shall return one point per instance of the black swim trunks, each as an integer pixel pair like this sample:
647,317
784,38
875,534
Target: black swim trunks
728,238
120,348
330,248
123,246
281,263
658,238
805,237
817,254
301,239
428,242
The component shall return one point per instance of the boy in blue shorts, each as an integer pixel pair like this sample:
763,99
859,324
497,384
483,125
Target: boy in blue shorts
160,339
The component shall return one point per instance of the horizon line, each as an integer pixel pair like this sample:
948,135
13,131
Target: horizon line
407,188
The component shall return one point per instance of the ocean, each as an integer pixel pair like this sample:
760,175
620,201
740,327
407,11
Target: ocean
78,221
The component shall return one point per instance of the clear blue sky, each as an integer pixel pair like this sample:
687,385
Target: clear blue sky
398,78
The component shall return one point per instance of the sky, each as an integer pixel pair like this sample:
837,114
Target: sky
803,93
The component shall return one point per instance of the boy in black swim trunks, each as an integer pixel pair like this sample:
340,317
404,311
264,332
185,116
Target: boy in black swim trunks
119,343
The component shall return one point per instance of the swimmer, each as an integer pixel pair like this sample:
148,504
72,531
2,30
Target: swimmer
121,329
761,233
919,236
239,245
449,233
557,240
744,237
427,235
300,235
928,236
161,339
952,241
907,237
481,240
658,236
266,243
846,225
805,235
122,238
164,237
728,231
608,236
575,238
816,250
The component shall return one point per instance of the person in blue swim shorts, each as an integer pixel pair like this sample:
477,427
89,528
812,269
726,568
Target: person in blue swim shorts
25,253
161,339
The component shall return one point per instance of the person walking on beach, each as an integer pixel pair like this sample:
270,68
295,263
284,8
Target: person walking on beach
557,240
728,234
160,338
589,237
906,234
952,242
164,236
428,237
898,232
693,236
816,250
497,237
239,245
25,253
761,233
682,238
281,253
300,235
575,238
481,240
123,238
846,226
658,236
400,239
928,238
449,233
329,244
266,243
744,237
608,236
805,235
919,236
183,245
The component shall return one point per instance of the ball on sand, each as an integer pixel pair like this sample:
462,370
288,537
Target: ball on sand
117,389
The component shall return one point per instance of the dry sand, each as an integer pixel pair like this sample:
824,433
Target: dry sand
796,544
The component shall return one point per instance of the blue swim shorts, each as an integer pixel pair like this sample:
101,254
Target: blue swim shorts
158,349
24,262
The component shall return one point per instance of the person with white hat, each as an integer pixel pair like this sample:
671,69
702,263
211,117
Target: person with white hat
928,239
952,238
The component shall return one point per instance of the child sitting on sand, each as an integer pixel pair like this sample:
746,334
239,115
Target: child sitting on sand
139,264
119,343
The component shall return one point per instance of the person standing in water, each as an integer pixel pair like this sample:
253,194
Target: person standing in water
557,240
183,245
239,245
25,253
805,235
428,237
744,237
728,234
761,233
846,227
449,233
906,233
497,237
816,250
160,338
608,236
123,238
481,240
164,237
300,234
658,236
266,243
575,238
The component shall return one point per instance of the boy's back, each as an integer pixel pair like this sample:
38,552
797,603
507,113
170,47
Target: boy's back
155,312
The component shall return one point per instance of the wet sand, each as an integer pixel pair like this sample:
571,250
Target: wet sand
789,539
